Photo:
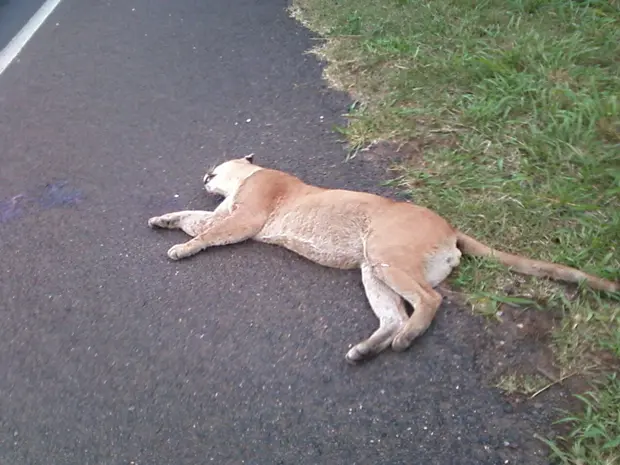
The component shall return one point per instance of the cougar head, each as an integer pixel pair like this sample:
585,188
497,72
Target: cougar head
225,178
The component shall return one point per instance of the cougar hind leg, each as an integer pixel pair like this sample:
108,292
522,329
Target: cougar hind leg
416,290
389,308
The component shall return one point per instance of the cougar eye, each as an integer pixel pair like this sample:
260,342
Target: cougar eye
208,177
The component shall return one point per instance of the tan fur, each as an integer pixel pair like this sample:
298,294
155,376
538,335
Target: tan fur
403,250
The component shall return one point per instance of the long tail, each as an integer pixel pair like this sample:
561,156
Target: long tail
523,265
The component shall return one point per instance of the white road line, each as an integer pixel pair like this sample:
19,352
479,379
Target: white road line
8,53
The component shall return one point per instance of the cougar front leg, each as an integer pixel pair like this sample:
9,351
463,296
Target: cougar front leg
222,228
389,309
192,222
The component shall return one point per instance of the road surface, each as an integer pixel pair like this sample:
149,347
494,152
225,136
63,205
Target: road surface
13,15
110,354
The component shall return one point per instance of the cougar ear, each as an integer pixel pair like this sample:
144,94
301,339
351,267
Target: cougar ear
250,158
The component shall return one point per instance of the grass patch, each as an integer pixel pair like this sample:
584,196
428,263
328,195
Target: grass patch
522,384
594,438
517,106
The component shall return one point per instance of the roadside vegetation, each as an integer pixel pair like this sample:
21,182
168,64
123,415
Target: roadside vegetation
515,108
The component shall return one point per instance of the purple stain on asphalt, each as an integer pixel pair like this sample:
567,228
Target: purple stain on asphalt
10,209
58,194
52,195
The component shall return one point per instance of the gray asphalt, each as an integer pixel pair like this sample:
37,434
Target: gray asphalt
110,353
13,15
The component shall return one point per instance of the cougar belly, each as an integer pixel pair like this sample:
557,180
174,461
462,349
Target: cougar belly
337,244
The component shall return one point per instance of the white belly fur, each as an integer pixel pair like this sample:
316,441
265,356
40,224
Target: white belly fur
332,245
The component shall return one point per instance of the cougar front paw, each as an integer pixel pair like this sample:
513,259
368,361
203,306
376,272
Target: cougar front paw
178,251
157,222
360,353
355,355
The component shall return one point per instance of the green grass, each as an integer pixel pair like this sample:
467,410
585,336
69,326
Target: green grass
528,385
517,106
594,438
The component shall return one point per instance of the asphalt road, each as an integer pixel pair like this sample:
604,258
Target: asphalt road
13,15
110,353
